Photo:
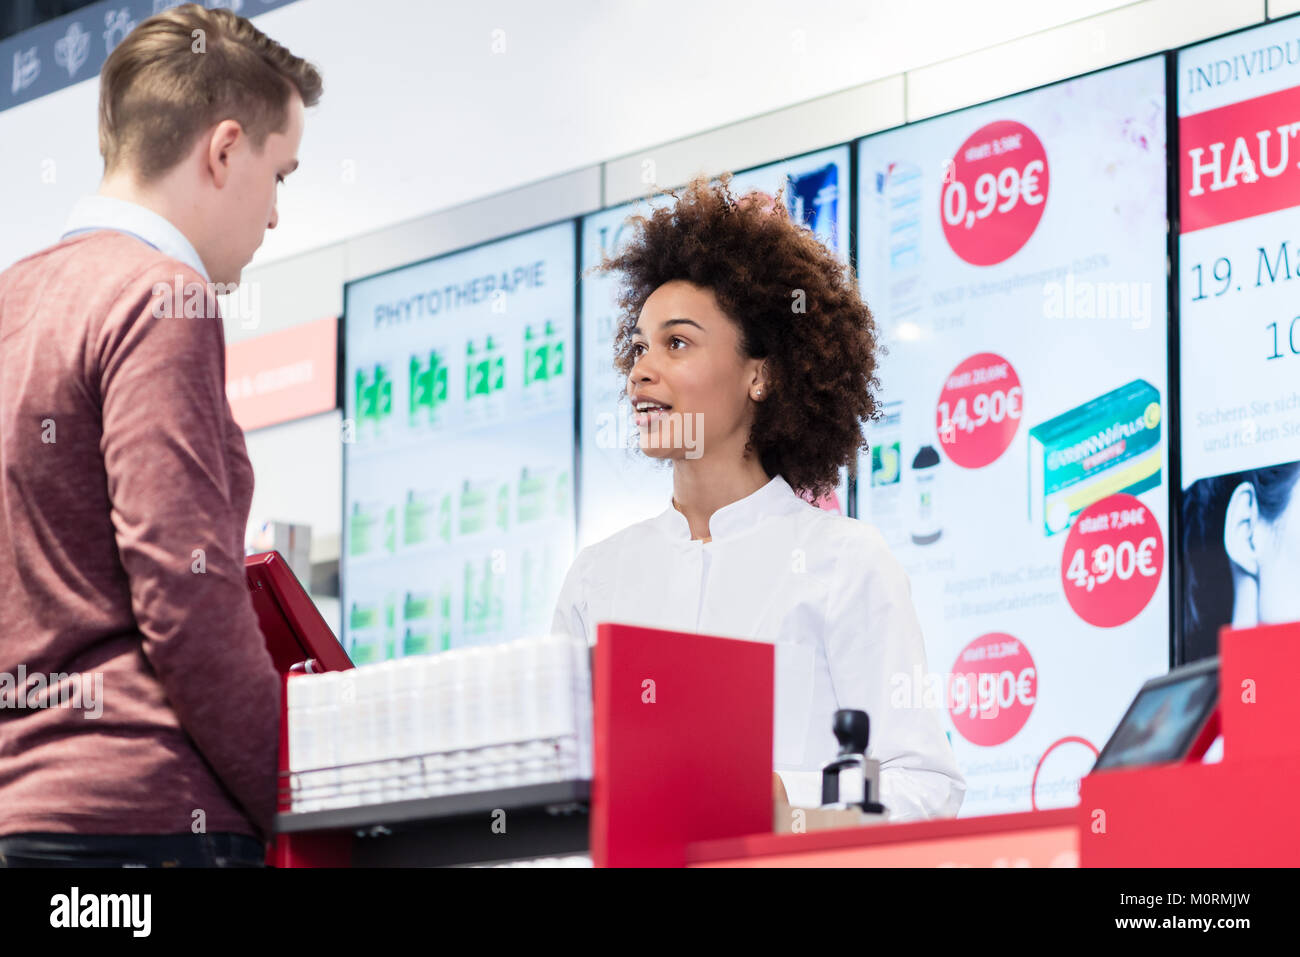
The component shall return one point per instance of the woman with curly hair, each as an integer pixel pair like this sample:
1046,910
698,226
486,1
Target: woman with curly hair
750,363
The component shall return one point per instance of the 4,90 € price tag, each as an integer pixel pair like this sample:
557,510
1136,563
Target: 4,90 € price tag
1112,561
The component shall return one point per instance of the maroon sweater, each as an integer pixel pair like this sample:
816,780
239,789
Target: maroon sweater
124,494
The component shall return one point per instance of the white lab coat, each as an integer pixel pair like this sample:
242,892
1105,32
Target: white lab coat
825,590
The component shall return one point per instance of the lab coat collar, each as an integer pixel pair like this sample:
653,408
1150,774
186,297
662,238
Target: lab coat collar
738,517
96,212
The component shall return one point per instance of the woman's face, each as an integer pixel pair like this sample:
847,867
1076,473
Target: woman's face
687,365
1279,566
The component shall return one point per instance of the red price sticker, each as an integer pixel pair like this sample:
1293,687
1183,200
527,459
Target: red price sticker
1112,561
994,193
979,410
992,689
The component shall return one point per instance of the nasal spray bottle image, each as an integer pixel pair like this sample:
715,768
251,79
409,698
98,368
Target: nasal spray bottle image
852,780
926,528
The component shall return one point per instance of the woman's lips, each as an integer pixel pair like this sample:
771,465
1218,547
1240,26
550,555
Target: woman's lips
643,419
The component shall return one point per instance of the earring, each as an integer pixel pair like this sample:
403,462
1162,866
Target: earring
757,393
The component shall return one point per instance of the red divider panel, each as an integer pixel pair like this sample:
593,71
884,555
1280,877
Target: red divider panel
683,743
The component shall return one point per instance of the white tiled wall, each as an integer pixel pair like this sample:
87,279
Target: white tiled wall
1125,34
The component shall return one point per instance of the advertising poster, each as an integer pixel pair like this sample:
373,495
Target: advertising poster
458,455
621,486
1239,331
1014,255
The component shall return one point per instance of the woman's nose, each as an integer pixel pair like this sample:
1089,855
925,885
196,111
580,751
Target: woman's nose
642,371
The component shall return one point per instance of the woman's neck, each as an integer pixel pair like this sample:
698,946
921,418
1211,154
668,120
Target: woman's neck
701,487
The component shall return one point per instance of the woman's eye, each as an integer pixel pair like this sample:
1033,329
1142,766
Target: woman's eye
676,339
636,348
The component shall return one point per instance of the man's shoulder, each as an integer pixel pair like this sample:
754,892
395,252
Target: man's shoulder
104,288
106,259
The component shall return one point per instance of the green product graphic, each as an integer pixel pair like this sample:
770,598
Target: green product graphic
503,507
535,358
555,353
361,524
444,517
484,600
473,373
428,389
390,529
1108,445
417,641
363,623
494,603
417,519
374,397
363,649
444,621
418,606
887,449
543,355
470,618
427,617
527,584
495,372
390,627
473,507
362,616
563,494
532,496
886,461
484,371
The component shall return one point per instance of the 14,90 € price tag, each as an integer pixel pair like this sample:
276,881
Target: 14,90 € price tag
979,410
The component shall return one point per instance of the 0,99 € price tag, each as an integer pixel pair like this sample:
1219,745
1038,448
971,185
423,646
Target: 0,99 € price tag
994,192
1112,561
979,410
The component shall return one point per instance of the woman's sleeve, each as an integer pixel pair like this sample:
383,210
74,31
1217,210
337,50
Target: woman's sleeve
571,607
877,663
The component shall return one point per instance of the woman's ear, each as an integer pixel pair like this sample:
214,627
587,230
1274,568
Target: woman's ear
1241,529
758,385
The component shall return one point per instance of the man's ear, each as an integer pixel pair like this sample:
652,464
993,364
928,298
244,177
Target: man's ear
1241,529
222,142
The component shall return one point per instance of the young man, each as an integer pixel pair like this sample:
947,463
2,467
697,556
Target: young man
139,721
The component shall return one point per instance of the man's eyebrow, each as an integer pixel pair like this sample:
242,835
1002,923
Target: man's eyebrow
636,330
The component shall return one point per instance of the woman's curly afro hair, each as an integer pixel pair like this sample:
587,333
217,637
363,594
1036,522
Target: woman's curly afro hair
797,306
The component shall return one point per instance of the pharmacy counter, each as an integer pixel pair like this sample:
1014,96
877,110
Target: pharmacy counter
693,786
479,827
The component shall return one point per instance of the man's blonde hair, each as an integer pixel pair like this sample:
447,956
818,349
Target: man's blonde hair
185,70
